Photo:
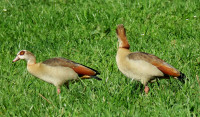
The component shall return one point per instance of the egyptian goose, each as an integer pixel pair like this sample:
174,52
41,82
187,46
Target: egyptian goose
57,71
142,66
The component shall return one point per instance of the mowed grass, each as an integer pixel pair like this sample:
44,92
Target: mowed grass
84,31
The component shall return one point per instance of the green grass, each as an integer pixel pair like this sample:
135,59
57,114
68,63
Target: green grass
84,31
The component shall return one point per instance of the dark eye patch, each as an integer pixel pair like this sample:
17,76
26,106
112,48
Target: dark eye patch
22,53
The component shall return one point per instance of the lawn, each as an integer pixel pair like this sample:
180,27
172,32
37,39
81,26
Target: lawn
84,31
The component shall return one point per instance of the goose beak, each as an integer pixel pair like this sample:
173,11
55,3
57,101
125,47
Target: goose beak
16,59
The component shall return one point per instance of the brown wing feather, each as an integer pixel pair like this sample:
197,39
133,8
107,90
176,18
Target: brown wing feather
78,68
154,60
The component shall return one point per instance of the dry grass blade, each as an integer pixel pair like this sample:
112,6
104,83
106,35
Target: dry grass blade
45,99
198,79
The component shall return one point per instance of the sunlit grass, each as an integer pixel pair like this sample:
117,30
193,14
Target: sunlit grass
84,31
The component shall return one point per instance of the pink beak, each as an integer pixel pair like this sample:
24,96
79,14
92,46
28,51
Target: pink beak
16,59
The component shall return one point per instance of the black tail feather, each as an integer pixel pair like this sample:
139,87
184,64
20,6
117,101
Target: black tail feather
95,77
182,77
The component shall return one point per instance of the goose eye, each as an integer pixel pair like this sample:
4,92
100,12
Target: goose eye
22,53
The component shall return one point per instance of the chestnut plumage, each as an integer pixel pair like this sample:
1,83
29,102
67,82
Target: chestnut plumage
142,66
57,71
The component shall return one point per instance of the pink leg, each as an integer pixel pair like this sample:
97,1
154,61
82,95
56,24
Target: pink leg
58,91
146,89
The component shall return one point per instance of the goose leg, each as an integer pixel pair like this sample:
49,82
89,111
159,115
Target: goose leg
67,85
146,89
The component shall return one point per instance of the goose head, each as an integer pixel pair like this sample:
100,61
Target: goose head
26,55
